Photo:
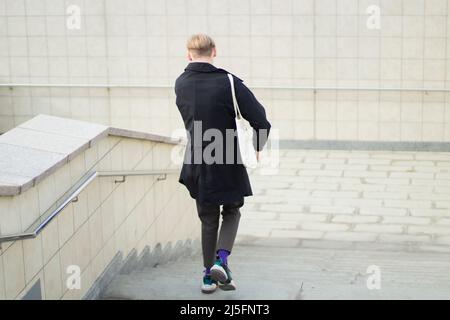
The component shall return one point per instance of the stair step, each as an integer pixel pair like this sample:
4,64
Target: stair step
295,273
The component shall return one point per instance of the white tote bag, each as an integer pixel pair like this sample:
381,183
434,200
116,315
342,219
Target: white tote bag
244,134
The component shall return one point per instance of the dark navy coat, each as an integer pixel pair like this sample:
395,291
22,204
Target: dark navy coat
203,95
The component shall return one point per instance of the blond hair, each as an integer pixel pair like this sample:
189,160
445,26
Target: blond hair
200,45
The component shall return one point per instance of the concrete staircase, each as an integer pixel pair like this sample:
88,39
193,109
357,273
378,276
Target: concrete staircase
271,272
313,230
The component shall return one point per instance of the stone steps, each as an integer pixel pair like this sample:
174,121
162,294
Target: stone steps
264,272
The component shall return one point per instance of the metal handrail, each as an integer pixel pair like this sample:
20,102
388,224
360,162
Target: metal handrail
73,197
166,86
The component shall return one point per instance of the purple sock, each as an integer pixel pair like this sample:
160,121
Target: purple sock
207,271
223,255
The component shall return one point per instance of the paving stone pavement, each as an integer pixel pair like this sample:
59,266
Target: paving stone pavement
400,198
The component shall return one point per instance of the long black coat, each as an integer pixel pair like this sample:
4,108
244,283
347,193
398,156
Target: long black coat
203,93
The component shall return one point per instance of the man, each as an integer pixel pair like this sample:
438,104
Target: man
204,99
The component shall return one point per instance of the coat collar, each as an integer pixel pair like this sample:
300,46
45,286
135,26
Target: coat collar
201,67
206,67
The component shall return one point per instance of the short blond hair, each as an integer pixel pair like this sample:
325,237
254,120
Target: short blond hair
200,45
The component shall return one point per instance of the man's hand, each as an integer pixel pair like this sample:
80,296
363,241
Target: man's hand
257,156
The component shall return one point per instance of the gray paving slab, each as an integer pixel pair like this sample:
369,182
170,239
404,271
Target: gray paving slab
19,166
40,140
11,184
23,161
64,126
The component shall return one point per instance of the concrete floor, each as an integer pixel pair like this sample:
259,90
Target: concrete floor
270,272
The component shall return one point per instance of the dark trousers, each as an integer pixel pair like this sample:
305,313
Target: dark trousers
209,215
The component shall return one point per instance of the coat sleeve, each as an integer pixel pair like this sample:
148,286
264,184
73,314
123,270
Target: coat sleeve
253,112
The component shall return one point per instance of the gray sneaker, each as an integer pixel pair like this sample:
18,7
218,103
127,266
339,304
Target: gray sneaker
222,274
209,285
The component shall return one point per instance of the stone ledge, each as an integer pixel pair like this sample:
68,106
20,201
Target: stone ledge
142,135
37,148
425,146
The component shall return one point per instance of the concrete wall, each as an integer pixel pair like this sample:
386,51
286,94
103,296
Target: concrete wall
269,43
297,114
143,109
108,218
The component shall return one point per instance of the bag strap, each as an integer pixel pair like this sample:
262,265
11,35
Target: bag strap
235,103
